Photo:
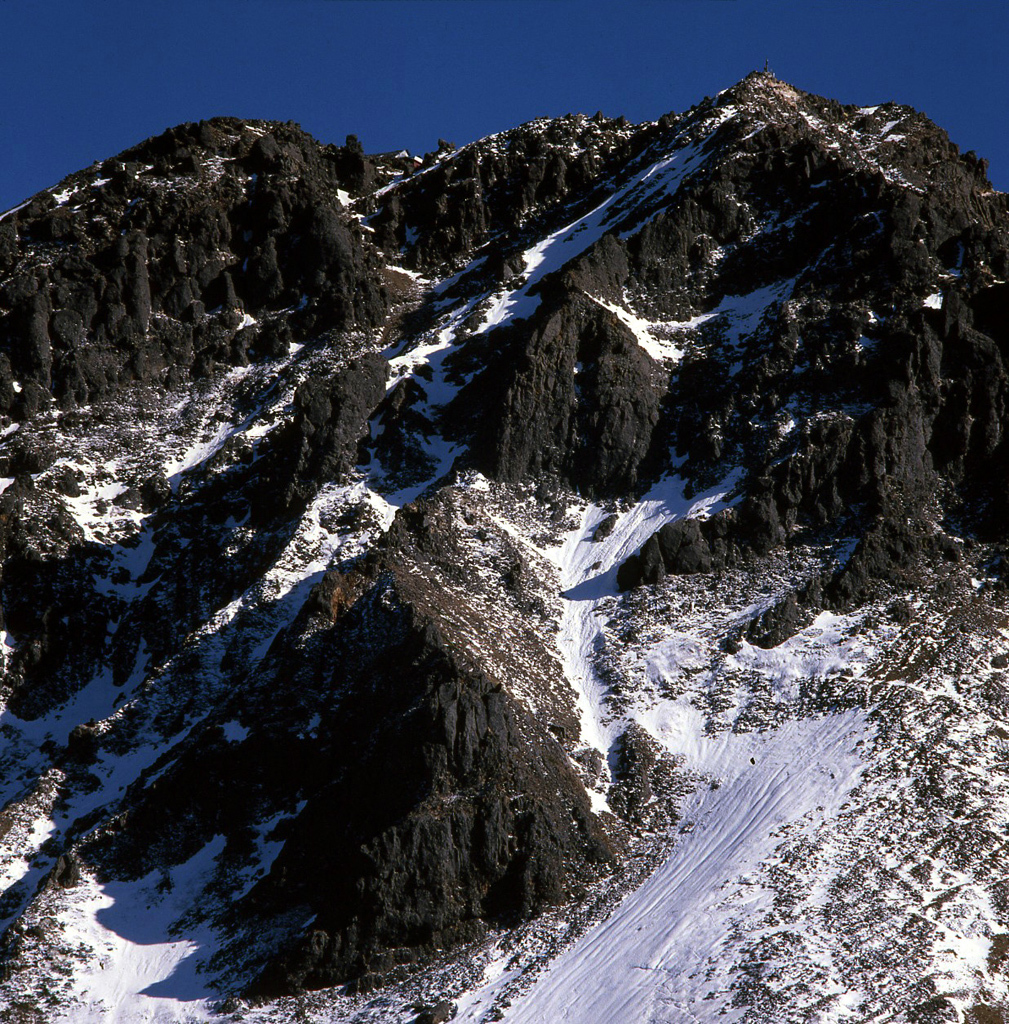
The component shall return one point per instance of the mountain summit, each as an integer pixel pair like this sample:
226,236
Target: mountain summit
560,578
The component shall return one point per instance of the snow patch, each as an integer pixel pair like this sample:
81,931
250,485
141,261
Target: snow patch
126,970
661,178
824,647
234,732
660,349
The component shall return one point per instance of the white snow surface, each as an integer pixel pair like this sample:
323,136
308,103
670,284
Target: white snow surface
644,331
648,961
588,572
129,971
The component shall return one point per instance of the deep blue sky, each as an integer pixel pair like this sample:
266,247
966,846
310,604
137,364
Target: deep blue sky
80,81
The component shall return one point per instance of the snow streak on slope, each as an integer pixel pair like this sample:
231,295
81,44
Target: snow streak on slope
137,965
647,332
588,571
428,353
658,179
650,960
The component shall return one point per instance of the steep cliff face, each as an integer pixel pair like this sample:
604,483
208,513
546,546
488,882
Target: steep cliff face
404,559
149,266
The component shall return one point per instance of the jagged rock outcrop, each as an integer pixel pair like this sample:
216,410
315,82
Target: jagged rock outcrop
153,266
450,809
887,375
572,399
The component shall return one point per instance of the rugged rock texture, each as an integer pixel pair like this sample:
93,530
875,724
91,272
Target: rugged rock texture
449,808
404,557
148,267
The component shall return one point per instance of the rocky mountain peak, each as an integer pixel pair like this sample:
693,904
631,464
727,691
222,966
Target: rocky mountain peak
406,558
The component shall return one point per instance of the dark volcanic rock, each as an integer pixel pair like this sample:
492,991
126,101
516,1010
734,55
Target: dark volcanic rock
647,782
438,1014
450,808
67,872
918,395
574,399
319,444
679,547
147,288
496,184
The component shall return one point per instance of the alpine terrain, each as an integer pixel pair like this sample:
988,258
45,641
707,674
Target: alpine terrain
560,579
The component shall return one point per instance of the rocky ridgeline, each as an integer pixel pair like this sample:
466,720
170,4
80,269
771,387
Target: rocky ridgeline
141,268
251,388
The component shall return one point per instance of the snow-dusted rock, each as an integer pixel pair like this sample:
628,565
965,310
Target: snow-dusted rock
559,578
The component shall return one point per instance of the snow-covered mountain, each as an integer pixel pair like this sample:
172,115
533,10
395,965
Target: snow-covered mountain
558,579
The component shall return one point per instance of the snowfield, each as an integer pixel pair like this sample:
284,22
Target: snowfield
657,957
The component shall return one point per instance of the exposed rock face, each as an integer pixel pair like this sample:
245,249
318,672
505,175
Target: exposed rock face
573,400
492,188
143,268
450,808
403,556
887,372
